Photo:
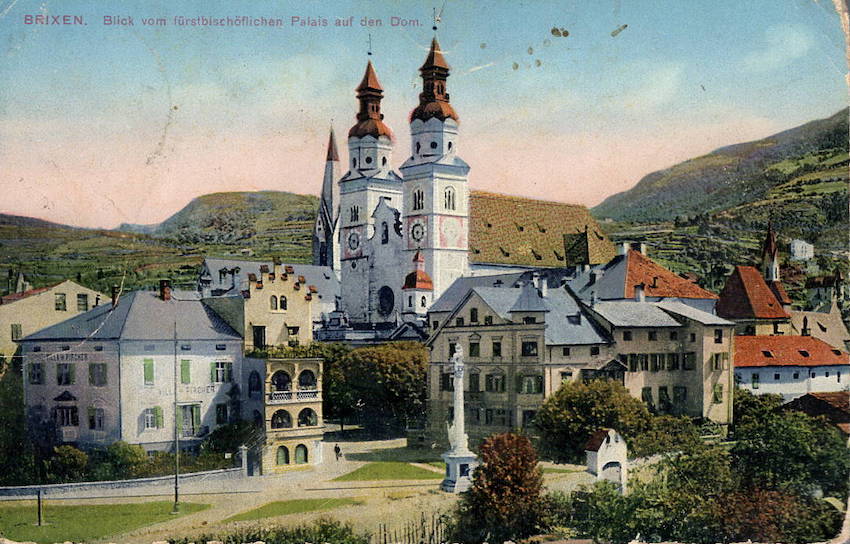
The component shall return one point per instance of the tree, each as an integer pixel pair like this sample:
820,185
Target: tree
505,499
68,464
568,418
603,514
792,450
387,383
228,438
751,409
665,434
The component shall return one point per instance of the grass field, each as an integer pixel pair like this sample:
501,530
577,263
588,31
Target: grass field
297,506
388,470
84,523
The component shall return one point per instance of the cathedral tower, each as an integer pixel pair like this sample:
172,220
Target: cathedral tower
369,182
326,233
436,192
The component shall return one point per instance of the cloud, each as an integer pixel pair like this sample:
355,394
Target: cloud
782,44
654,87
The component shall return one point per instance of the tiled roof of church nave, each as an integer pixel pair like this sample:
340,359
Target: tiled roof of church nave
513,230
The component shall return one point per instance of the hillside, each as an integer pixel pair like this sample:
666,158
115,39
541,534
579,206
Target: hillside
801,170
261,224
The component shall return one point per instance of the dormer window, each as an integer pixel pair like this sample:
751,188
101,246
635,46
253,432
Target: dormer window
767,354
804,353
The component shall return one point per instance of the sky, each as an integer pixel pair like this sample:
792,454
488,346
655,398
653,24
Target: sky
104,124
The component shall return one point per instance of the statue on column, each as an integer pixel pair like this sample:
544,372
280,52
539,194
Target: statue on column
460,461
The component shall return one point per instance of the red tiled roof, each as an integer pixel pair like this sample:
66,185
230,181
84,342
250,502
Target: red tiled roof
14,297
836,399
779,292
746,295
759,351
596,440
657,280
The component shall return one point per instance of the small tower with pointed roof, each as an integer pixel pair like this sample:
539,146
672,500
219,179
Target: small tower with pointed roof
418,291
770,256
436,191
326,231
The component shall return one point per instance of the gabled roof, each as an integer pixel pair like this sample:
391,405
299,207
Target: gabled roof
142,315
625,313
681,309
618,277
767,351
747,296
596,440
510,230
839,400
530,299
834,405
14,297
828,326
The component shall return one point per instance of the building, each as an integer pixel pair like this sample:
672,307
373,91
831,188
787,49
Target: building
273,307
790,366
27,311
373,219
824,325
632,271
835,406
801,250
292,414
822,290
524,334
132,369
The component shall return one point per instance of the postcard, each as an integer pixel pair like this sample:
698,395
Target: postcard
423,272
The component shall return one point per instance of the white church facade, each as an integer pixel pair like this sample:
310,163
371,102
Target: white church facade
397,239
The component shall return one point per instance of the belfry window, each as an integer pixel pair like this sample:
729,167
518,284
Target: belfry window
418,199
449,198
385,233
355,213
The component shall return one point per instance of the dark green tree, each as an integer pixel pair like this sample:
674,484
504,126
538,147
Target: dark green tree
568,418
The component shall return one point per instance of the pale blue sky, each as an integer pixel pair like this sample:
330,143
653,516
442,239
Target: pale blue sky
129,123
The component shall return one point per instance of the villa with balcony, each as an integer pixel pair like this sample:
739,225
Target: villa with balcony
293,414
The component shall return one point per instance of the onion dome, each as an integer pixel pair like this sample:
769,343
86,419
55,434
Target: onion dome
370,120
434,100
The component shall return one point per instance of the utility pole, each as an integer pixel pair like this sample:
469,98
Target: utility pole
176,508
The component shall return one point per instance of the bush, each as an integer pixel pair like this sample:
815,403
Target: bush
505,499
323,530
228,438
68,464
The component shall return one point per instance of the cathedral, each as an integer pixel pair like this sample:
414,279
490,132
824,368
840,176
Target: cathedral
397,239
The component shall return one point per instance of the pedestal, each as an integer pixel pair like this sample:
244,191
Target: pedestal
459,467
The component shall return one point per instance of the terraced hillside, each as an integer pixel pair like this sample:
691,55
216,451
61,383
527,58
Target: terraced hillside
261,225
798,176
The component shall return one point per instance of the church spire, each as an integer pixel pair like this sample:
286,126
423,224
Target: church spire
770,256
369,118
434,100
333,154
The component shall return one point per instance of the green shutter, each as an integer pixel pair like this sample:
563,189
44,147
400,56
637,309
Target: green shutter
157,412
148,371
196,417
185,371
212,372
71,373
178,419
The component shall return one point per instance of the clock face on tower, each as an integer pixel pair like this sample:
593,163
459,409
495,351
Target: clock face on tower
417,231
353,241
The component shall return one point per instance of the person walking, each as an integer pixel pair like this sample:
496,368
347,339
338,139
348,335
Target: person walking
337,452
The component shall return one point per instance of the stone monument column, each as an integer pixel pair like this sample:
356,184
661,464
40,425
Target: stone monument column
460,461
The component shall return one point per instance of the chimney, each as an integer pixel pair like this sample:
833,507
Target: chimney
594,276
115,294
276,267
592,299
639,294
165,290
544,287
535,279
806,330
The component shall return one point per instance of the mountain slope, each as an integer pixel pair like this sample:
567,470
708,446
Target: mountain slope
728,177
